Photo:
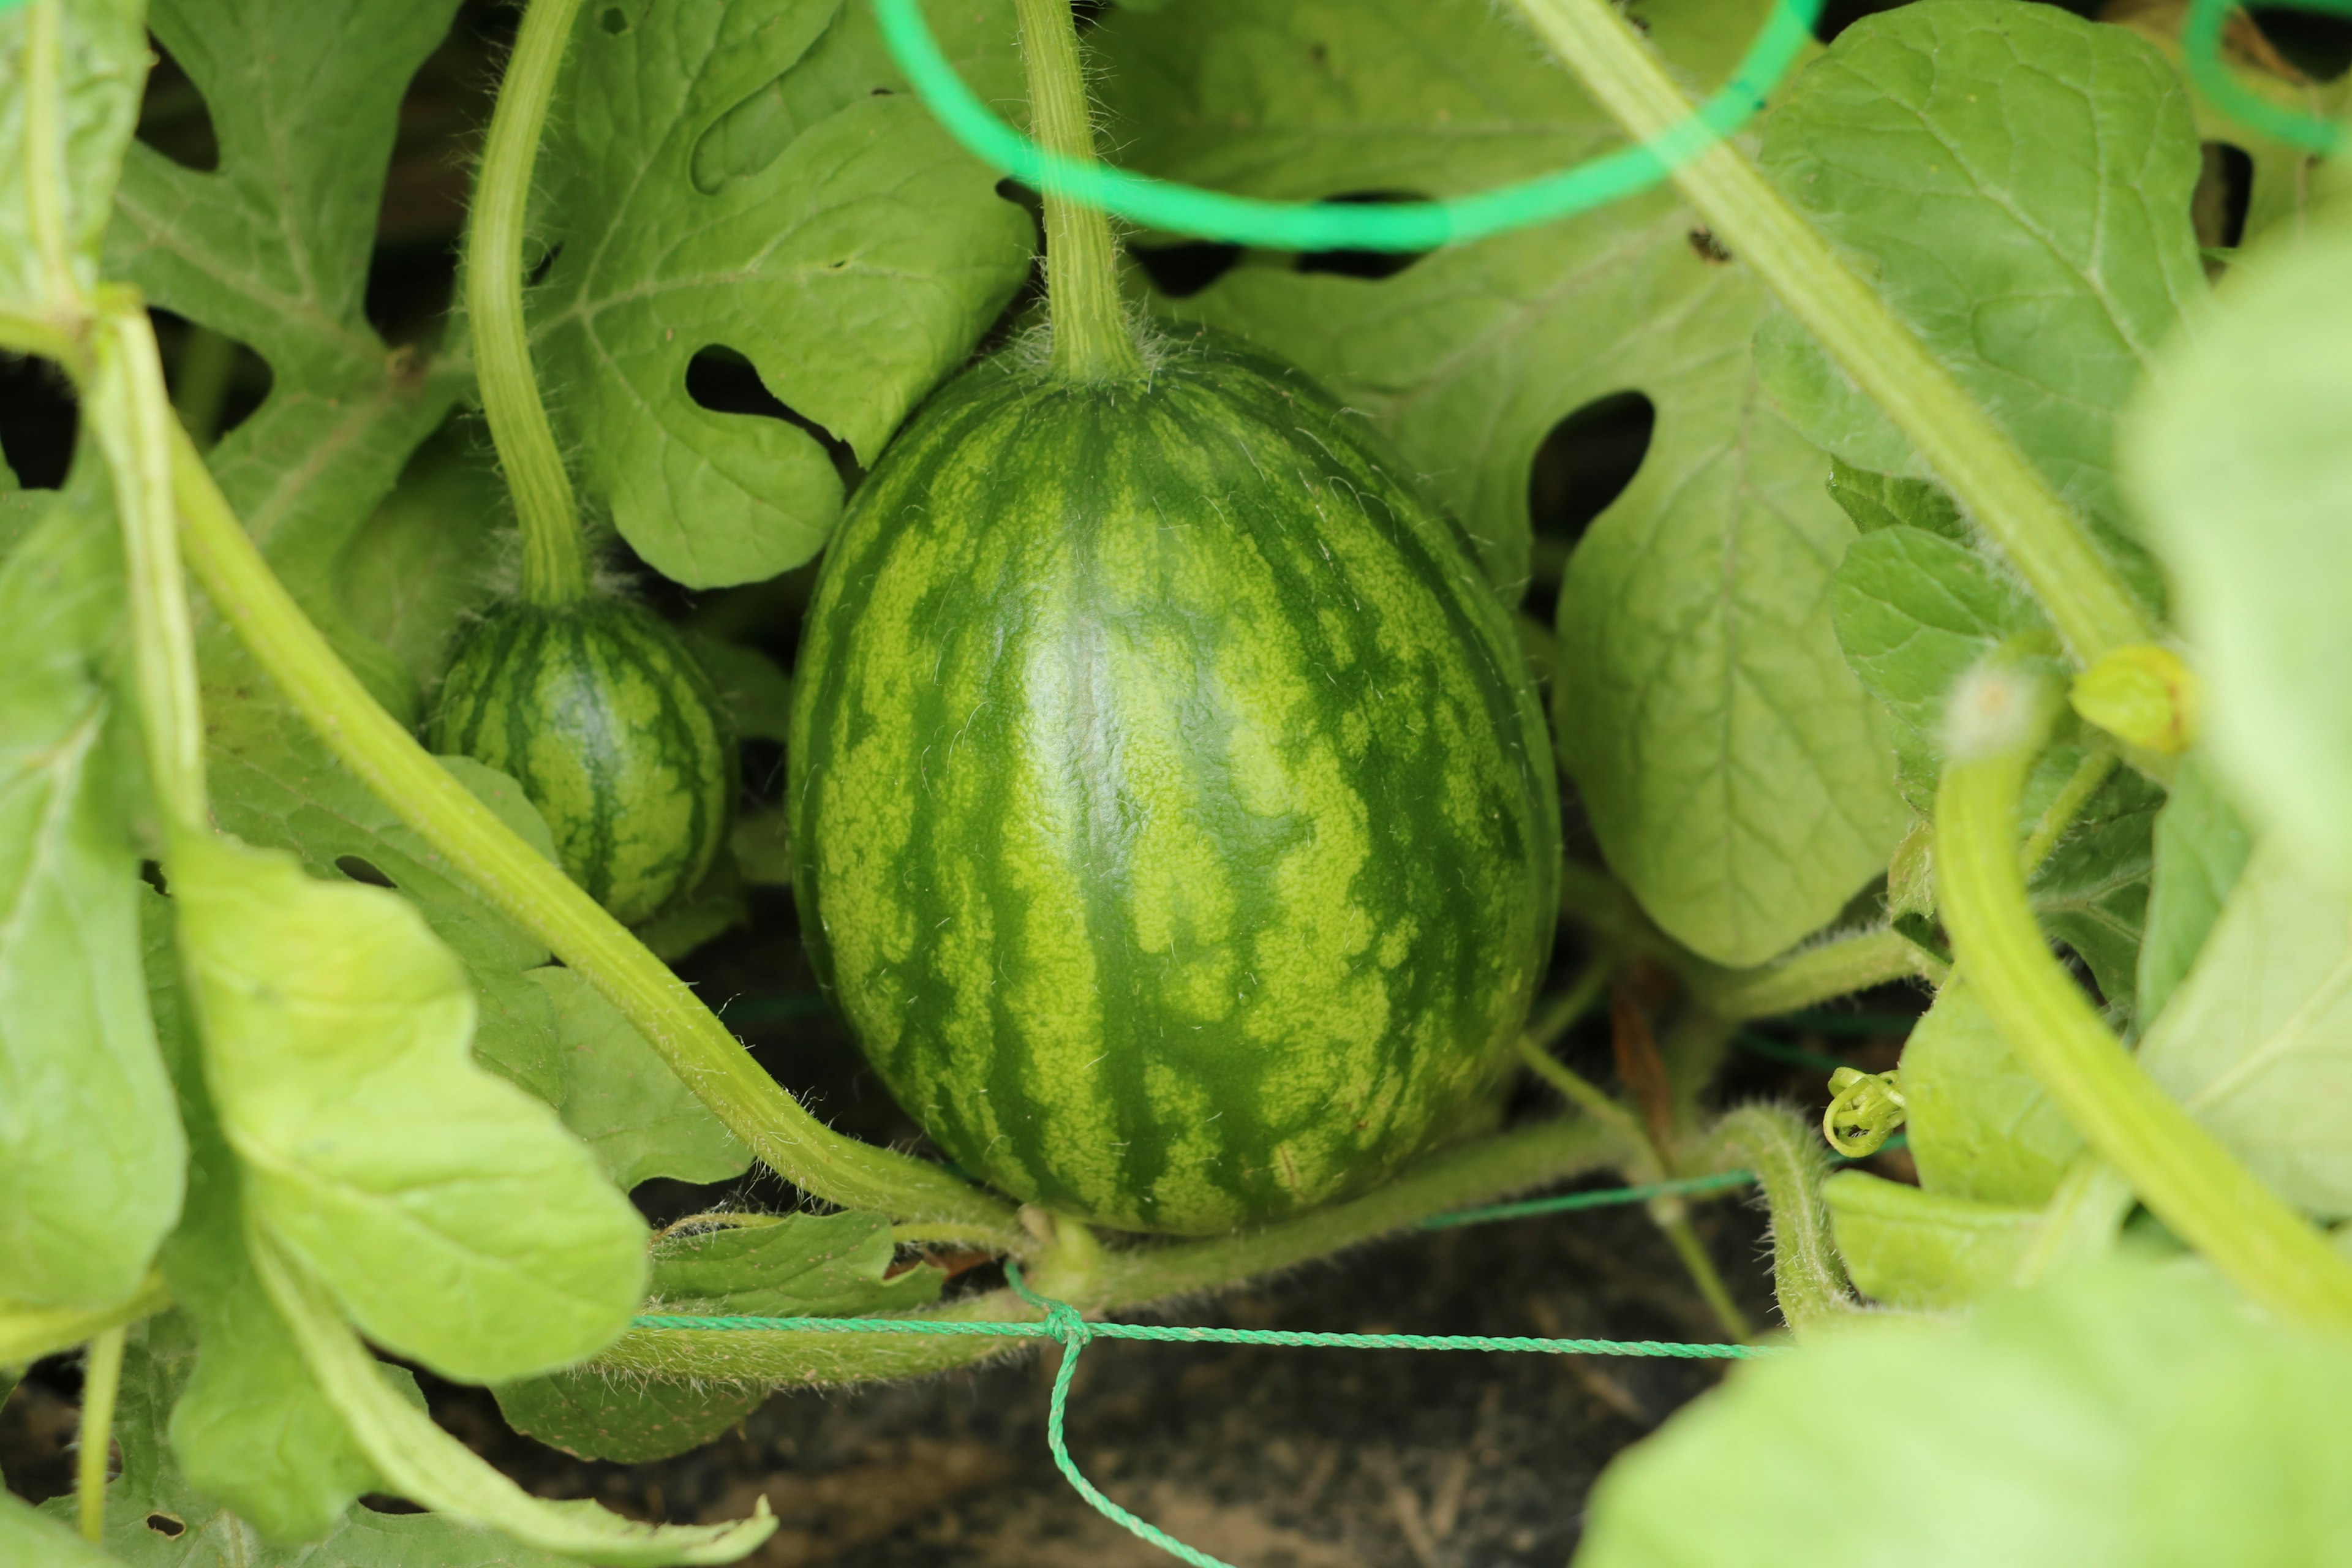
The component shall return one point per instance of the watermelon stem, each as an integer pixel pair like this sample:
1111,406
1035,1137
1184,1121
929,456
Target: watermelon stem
1092,341
554,561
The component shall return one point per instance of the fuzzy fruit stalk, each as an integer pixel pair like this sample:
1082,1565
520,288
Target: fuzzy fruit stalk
1177,819
592,703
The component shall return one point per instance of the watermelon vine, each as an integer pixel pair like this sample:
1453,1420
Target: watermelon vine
1127,751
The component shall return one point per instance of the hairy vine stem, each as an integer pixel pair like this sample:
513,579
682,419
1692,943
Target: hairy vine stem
1837,967
1808,1279
1092,341
554,561
2039,533
135,427
2191,1183
1136,1277
535,894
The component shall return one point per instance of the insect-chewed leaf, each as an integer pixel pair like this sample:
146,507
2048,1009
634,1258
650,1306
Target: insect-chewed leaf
452,1215
159,1516
2257,1040
2242,462
2129,1413
2020,181
98,69
90,1148
745,176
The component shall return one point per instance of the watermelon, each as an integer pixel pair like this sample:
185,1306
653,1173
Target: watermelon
602,716
1175,818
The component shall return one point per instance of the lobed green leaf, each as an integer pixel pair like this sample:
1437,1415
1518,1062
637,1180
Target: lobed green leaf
99,66
90,1146
2257,1040
745,176
2241,462
452,1215
2131,1413
272,249
2019,183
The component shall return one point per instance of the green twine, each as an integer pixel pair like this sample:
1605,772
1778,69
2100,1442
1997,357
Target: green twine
2200,39
1330,226
1066,1327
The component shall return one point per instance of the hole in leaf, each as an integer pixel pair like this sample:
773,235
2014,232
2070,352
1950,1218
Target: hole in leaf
2317,43
613,21
2225,187
537,272
173,118
724,382
1180,271
168,1525
360,870
385,1502
1088,12
1837,15
1372,264
38,417
215,382
1584,463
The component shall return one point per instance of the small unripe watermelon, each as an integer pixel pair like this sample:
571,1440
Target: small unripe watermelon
614,733
1176,821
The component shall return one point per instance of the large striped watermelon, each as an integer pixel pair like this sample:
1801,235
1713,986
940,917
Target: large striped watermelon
613,731
1175,819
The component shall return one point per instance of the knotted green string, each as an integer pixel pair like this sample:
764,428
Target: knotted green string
1066,1327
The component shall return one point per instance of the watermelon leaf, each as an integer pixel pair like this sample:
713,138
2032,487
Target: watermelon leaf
101,65
91,1151
748,176
1981,1126
1920,1250
2130,1413
1883,501
2257,1040
1737,778
595,1414
802,1265
449,1212
790,1266
623,1101
159,1516
1913,612
272,249
250,1427
414,572
2240,461
2199,849
2019,182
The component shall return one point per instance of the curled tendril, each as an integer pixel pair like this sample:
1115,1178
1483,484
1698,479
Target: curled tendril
1865,1111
